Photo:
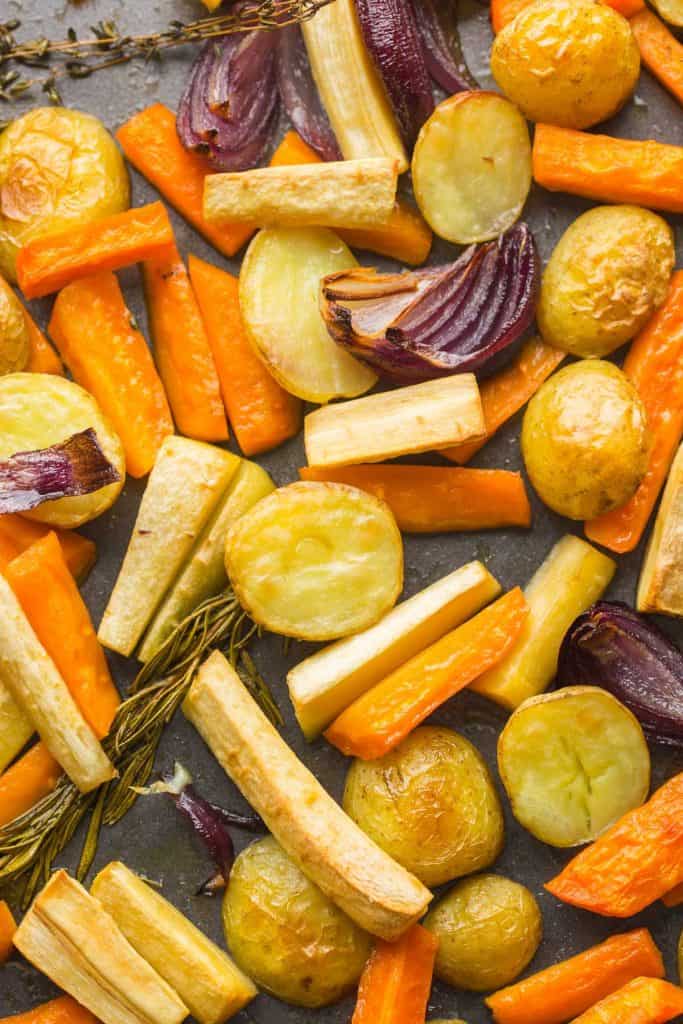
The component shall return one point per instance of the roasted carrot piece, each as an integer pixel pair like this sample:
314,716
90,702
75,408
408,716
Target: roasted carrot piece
507,392
397,980
8,927
503,11
565,990
64,1010
261,413
608,169
27,781
293,150
634,863
655,366
17,534
42,357
434,499
661,52
386,714
108,356
182,350
673,898
641,1001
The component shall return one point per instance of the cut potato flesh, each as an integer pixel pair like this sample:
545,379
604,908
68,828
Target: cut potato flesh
279,284
14,334
316,561
472,167
670,10
573,762
38,410
324,685
16,728
661,580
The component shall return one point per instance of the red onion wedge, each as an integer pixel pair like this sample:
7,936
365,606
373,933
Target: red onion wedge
465,317
76,466
437,21
299,94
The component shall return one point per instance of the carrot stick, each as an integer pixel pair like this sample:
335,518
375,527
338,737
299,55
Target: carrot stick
655,366
673,898
567,989
608,169
504,11
64,1010
508,391
108,356
634,863
42,357
386,714
49,263
182,350
397,980
27,781
261,413
150,142
17,534
435,499
641,1001
661,52
8,927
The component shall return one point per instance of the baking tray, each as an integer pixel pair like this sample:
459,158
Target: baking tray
152,839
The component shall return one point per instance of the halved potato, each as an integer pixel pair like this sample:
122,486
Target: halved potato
316,561
14,336
279,285
573,762
38,410
472,167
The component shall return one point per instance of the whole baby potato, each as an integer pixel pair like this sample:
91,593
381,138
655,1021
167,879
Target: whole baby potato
14,338
285,934
430,804
489,929
585,440
59,168
571,63
608,274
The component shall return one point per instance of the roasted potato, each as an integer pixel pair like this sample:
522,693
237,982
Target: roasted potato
431,804
14,336
608,274
58,168
285,934
489,929
585,440
572,63
670,10
38,410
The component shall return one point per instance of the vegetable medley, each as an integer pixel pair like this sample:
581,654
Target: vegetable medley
389,142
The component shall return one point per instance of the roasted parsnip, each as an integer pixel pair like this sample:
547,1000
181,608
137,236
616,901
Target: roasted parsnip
185,486
69,936
661,580
205,977
329,848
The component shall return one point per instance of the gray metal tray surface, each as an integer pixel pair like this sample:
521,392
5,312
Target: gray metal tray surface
152,838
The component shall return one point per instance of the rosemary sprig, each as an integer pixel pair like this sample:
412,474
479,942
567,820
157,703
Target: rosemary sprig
30,843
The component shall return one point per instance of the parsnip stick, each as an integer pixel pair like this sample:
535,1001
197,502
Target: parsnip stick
661,579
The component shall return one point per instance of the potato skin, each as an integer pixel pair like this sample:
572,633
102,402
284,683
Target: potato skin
571,63
608,274
585,440
59,168
14,338
430,804
285,934
489,929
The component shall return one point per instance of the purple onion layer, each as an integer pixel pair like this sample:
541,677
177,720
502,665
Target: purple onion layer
300,97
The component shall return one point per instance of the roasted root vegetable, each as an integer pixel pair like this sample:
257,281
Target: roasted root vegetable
300,98
112,980
674,898
63,1010
472,167
18,533
488,928
505,11
641,1001
379,720
16,727
187,482
572,577
316,561
397,980
27,781
42,357
59,169
286,934
670,10
8,927
438,25
205,978
660,588
419,418
15,345
660,50
322,686
376,893
430,804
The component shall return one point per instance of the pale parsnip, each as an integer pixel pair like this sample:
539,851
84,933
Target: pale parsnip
187,482
14,336
376,893
15,728
324,685
661,579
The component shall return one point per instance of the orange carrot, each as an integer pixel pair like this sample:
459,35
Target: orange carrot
64,1010
608,169
49,263
508,391
397,980
567,989
182,350
293,150
261,413
634,863
504,11
655,366
150,141
673,898
27,781
108,356
17,534
661,52
641,1001
435,499
8,927
42,357
386,714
